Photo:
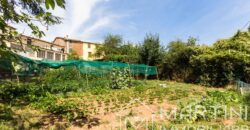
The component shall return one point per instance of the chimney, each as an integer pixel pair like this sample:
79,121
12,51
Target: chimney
67,44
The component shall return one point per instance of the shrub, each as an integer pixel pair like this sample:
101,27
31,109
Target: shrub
61,74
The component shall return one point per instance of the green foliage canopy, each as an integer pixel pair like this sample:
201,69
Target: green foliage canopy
150,52
176,64
216,65
113,49
227,60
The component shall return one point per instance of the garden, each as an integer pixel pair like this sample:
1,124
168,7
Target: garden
186,86
63,99
182,84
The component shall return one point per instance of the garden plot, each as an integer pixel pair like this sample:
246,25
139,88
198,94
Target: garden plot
130,108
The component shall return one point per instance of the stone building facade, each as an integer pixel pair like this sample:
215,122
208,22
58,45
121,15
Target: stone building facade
83,49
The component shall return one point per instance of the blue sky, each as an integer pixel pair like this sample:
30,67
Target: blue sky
207,20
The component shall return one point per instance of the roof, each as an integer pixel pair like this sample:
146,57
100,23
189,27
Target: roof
41,40
9,26
75,40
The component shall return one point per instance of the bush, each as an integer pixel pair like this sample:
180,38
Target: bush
61,74
70,79
216,65
219,68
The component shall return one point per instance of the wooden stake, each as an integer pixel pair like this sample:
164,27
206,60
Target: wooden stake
157,74
146,73
17,80
87,79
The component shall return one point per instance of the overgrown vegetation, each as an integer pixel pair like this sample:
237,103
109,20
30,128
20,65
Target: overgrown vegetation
68,97
204,110
74,97
216,65
219,64
47,92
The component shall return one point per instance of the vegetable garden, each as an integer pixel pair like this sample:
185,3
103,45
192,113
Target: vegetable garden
65,99
77,94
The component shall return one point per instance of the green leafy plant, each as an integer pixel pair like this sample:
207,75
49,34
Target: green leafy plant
120,79
214,98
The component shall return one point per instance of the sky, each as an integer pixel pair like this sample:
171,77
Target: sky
92,20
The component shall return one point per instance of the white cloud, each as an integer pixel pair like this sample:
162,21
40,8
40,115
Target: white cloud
108,22
100,23
80,12
81,19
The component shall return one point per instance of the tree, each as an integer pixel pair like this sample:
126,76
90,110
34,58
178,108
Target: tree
114,49
110,47
129,53
192,41
239,42
30,12
73,55
150,52
225,61
176,64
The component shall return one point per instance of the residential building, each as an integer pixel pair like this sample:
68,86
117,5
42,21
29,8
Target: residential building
83,49
38,49
57,50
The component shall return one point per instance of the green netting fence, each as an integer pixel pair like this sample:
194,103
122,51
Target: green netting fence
242,87
26,66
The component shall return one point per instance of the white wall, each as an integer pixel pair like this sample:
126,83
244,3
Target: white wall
86,51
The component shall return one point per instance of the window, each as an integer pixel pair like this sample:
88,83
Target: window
58,56
89,45
41,54
50,55
89,54
29,41
16,47
62,50
63,57
51,47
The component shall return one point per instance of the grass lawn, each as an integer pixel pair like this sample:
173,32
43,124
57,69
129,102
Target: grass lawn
147,105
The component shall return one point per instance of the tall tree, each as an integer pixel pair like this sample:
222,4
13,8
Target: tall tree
129,52
192,41
150,51
115,49
176,61
110,46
